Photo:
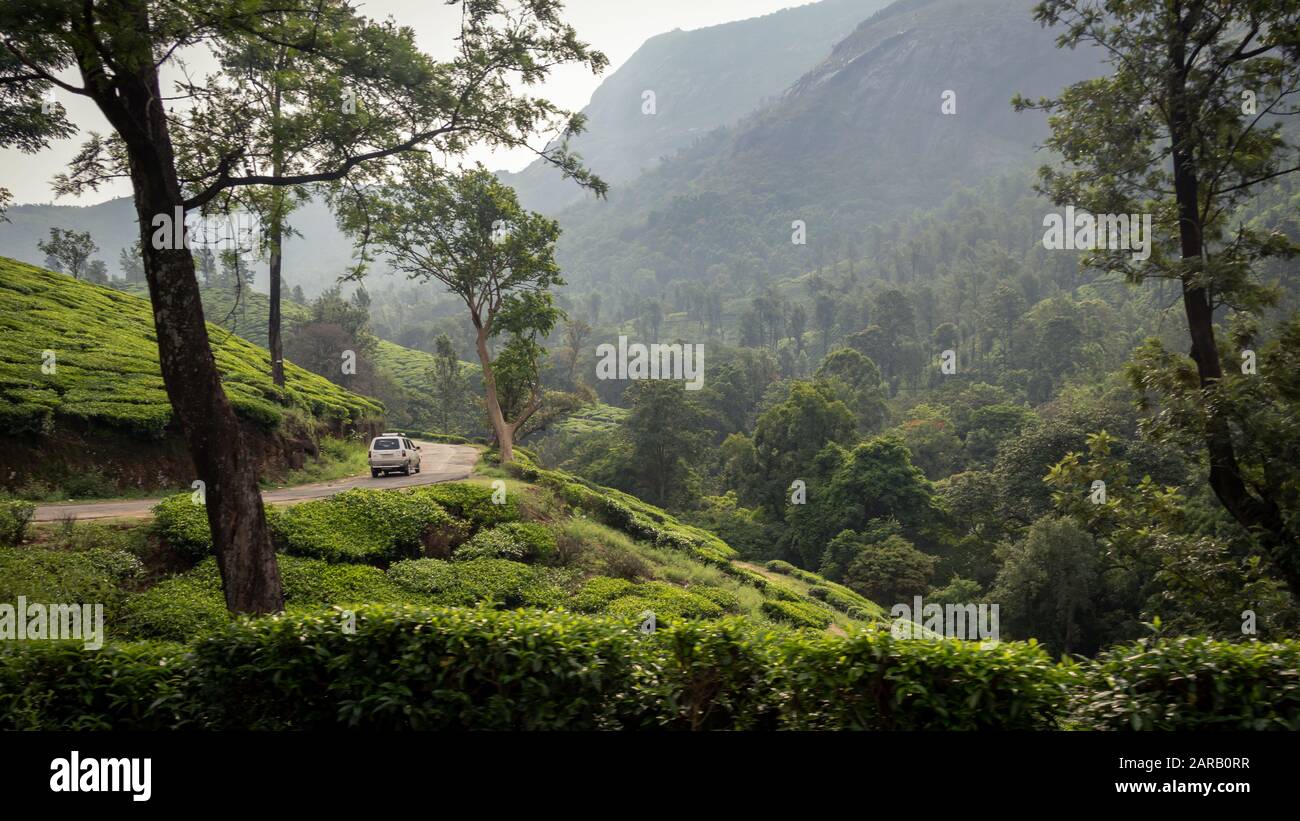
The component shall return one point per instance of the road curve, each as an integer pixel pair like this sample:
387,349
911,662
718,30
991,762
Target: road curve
438,463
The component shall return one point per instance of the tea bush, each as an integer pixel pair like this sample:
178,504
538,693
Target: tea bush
183,525
1191,683
191,605
14,518
797,613
489,581
364,526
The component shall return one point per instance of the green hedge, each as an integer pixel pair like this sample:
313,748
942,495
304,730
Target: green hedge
797,613
471,502
86,576
1191,684
363,526
409,667
421,670
495,582
183,525
359,525
62,686
191,605
517,541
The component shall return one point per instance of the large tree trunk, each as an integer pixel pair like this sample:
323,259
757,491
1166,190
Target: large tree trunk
505,433
249,573
1258,514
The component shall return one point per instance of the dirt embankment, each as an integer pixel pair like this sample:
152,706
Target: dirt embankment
128,462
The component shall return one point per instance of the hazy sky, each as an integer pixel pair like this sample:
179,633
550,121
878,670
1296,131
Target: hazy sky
616,27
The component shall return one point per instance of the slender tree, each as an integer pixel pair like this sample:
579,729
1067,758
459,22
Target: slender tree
468,232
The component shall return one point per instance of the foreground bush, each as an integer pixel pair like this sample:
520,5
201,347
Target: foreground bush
407,667
494,582
191,605
61,686
471,502
421,670
364,526
1191,684
65,576
183,525
14,518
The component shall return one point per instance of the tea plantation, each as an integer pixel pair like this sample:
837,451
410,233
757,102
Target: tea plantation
73,353
563,605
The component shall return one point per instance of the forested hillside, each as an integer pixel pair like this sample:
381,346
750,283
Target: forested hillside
852,148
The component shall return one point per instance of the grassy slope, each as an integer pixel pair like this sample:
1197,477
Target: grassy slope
613,555
107,362
411,367
594,418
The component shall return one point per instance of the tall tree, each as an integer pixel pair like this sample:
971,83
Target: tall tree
1184,128
468,232
119,47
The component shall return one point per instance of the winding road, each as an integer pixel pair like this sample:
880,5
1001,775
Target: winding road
438,463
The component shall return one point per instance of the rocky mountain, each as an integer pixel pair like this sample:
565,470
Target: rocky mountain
912,104
700,80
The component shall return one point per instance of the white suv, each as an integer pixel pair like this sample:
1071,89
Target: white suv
392,452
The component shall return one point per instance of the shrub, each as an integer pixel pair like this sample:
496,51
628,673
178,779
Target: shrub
183,525
61,686
538,538
64,576
1191,683
797,613
179,609
725,599
14,518
411,668
422,670
872,681
491,581
597,592
191,605
715,675
492,544
471,502
669,604
517,541
845,600
362,526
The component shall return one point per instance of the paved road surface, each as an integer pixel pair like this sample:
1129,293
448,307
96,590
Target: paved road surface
438,463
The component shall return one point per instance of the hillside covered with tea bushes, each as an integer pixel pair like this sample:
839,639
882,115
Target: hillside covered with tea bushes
553,543
105,364
82,396
448,607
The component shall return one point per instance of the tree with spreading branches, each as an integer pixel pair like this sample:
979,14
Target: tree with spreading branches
1188,124
114,52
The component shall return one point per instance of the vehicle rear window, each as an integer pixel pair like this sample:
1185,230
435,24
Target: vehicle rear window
385,444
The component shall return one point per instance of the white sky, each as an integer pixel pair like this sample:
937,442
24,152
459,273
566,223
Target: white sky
616,27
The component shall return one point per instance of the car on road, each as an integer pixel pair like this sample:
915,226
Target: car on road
393,453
